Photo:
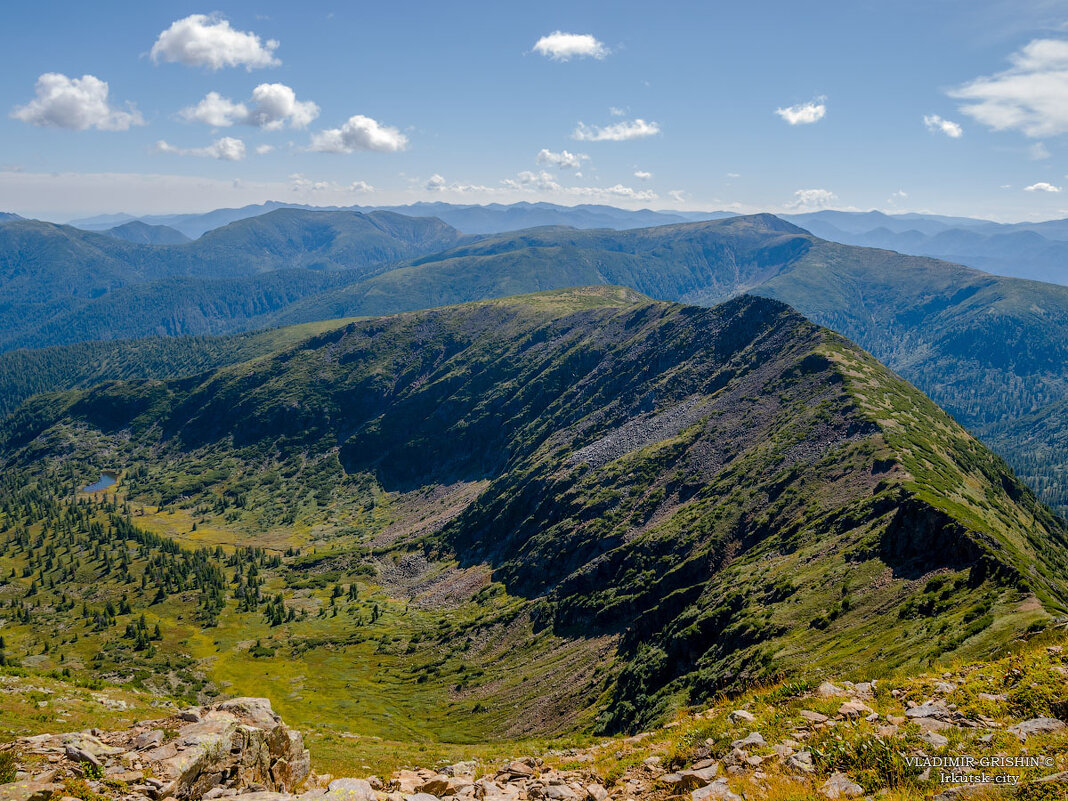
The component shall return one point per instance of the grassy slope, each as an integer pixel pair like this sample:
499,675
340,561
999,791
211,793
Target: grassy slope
28,372
770,525
64,278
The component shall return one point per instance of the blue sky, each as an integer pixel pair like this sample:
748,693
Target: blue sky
377,103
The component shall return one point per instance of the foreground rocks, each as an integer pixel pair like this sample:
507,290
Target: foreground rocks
237,745
799,743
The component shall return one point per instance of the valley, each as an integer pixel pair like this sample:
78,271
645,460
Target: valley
496,524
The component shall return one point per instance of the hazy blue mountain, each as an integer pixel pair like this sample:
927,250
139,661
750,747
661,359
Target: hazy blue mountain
58,281
6,216
145,234
472,219
497,218
1025,250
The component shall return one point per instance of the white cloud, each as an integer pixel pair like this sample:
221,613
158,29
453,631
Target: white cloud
75,103
359,133
620,132
804,113
805,199
615,111
948,127
1042,186
642,175
678,195
227,149
263,150
271,107
617,192
542,180
1038,152
299,183
202,40
436,183
1031,96
215,110
564,159
560,46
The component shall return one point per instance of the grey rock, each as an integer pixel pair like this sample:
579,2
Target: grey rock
801,761
1029,728
149,739
752,740
350,790
934,739
716,791
840,786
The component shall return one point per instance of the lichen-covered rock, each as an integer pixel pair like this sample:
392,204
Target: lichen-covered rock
237,745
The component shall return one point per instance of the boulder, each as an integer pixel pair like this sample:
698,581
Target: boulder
1029,728
350,790
28,791
801,761
854,708
716,791
752,740
840,786
740,715
828,690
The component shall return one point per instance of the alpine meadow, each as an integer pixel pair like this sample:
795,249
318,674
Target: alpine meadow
501,403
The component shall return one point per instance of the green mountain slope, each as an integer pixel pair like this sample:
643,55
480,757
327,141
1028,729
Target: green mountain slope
29,372
145,234
986,348
582,503
56,280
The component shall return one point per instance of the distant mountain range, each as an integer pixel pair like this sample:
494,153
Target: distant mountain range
472,219
1036,250
63,284
1025,250
988,349
145,234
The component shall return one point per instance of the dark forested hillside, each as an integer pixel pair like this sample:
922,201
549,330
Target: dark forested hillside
713,495
56,281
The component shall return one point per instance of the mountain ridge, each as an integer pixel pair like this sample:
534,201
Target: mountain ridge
679,490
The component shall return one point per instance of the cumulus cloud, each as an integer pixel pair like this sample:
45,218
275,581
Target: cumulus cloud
359,133
203,40
564,159
227,149
299,183
437,183
1042,186
1038,152
560,46
263,150
1031,96
642,175
620,132
805,199
75,103
617,192
541,180
272,106
948,127
804,113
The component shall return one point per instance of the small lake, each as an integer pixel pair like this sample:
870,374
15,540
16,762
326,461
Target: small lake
106,480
